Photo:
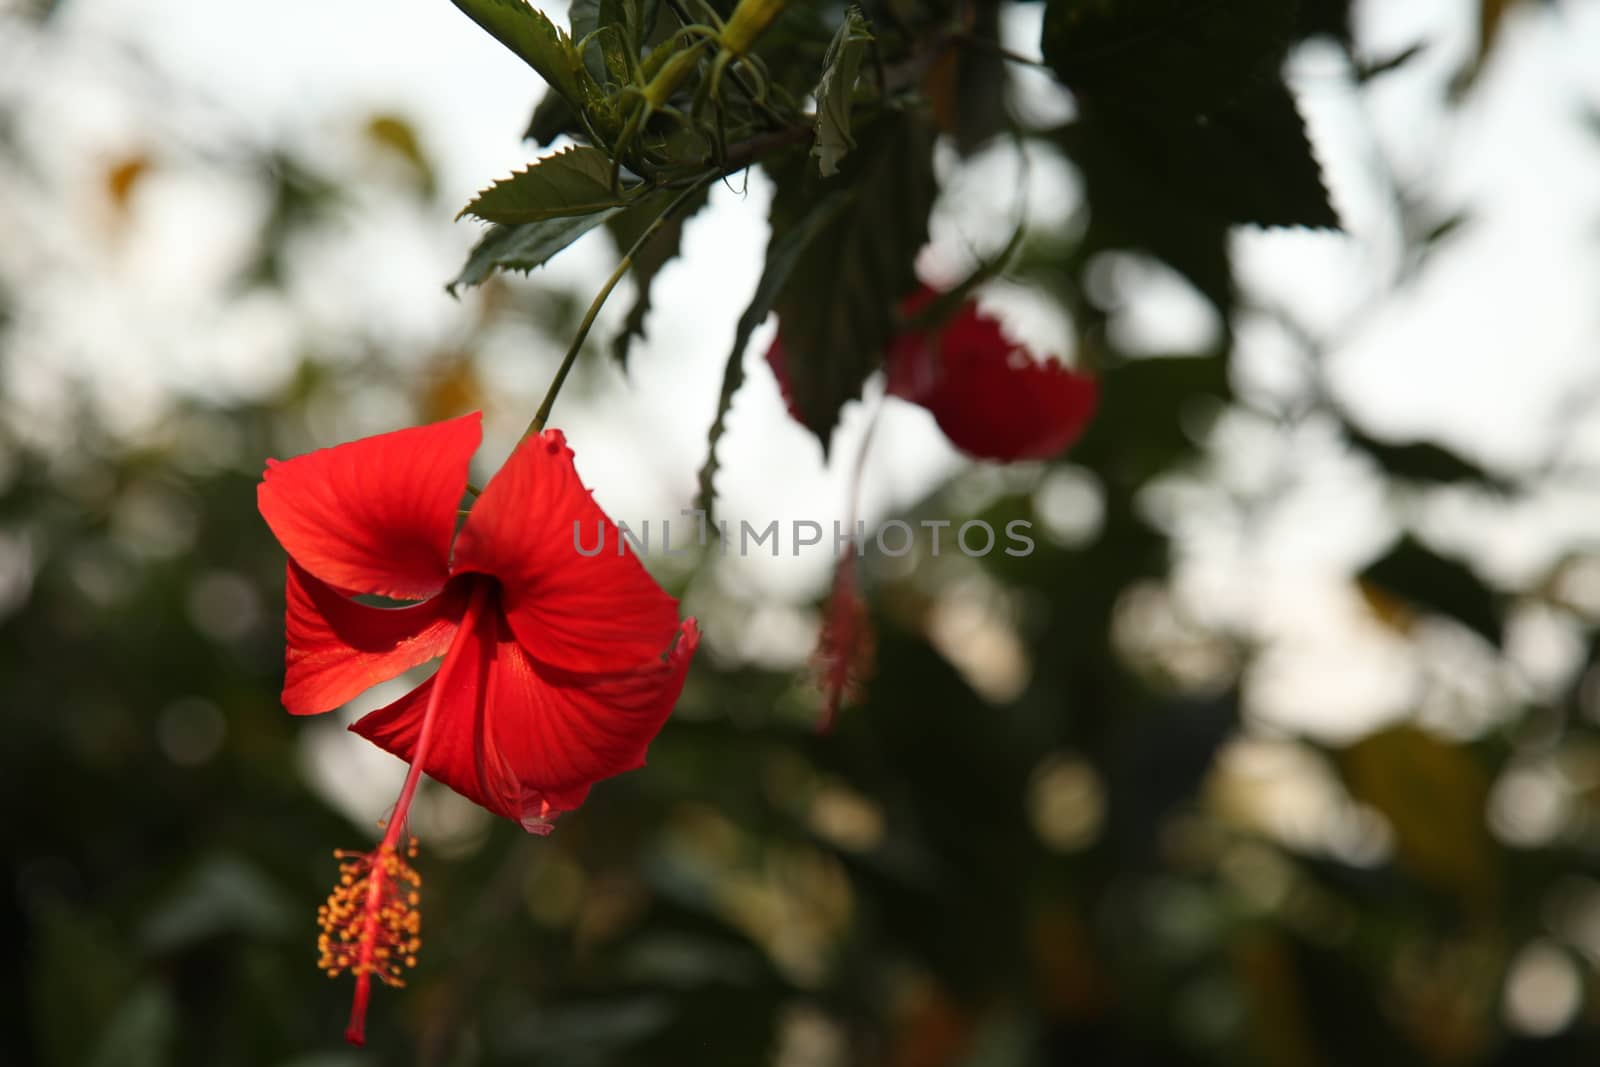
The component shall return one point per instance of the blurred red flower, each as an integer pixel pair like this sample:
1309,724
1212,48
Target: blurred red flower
992,397
845,649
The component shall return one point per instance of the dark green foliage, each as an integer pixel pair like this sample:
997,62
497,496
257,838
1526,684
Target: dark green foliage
1185,128
574,182
837,306
525,246
1422,578
535,40
1420,461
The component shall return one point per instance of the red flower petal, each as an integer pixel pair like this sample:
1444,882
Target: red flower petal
527,740
579,612
990,396
375,515
337,648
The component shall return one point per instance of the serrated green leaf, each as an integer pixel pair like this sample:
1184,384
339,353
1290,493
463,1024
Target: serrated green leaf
625,229
574,182
535,40
838,306
1134,206
524,247
840,68
1166,54
1246,161
1192,92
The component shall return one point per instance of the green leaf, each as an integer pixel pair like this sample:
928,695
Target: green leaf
1423,579
524,247
584,18
838,306
1420,461
535,40
1148,409
552,116
1191,92
979,79
841,65
1166,55
1246,161
1433,794
625,25
625,228
574,182
600,33
79,976
142,1032
224,894
1135,206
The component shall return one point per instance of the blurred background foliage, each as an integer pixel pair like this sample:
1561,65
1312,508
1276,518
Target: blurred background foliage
1057,830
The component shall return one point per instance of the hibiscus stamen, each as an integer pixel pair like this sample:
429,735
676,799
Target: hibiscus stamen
371,924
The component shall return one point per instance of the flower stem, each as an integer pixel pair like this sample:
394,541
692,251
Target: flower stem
542,416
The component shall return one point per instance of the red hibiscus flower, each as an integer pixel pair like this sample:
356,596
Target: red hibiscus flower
992,397
558,668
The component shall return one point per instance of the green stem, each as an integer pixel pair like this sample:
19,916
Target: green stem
542,416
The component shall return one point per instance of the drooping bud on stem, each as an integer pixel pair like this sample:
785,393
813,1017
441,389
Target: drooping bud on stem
844,654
